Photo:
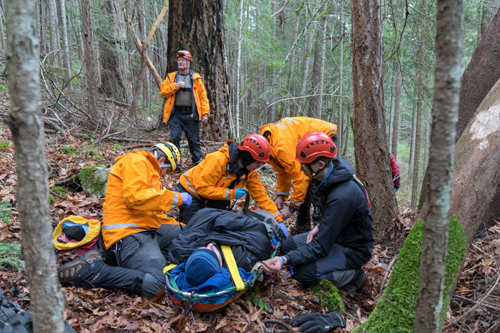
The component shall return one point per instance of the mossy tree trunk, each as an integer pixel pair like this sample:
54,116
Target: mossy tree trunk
370,140
197,26
26,125
444,115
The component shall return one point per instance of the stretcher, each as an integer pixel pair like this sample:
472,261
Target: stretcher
191,300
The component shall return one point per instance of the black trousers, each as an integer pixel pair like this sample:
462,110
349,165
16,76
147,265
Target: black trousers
183,121
338,266
142,259
303,222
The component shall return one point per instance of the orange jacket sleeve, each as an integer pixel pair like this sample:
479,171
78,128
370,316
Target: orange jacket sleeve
210,176
284,181
299,179
139,194
258,193
168,87
204,103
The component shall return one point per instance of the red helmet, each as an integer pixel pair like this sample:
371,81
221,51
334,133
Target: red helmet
313,145
257,145
186,55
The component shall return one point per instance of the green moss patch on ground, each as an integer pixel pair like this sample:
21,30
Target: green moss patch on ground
396,309
5,211
10,256
328,296
93,180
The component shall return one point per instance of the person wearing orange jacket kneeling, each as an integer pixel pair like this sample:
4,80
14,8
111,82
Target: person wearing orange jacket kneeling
136,231
223,176
283,137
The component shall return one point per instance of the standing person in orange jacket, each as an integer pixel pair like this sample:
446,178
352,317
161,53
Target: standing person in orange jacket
136,229
186,105
283,137
223,176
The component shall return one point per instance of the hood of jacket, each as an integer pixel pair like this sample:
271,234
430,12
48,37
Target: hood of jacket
150,157
342,171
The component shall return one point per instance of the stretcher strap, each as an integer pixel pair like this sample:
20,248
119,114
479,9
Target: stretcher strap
233,268
168,268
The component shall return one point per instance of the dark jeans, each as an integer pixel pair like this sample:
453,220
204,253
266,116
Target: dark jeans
142,259
337,266
303,222
183,121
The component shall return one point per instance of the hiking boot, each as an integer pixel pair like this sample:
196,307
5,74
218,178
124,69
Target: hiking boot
91,255
354,286
69,270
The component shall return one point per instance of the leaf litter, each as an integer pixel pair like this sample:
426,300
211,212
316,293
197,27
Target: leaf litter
267,306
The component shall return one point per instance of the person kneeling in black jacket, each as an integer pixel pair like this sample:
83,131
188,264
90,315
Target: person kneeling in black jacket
337,248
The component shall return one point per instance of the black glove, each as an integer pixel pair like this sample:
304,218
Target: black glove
318,322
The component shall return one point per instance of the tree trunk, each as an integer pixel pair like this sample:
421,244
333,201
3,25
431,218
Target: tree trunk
197,26
67,56
445,114
481,74
391,115
238,70
370,140
397,114
416,158
26,125
305,69
89,60
2,34
43,26
341,116
490,7
478,78
318,74
146,90
289,87
54,36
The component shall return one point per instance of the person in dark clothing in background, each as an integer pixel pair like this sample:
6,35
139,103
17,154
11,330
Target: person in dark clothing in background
186,105
396,177
337,248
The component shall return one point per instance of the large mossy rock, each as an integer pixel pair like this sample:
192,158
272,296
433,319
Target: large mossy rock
94,180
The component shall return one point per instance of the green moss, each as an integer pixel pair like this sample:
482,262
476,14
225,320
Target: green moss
69,150
4,145
10,255
90,181
328,296
5,211
396,309
95,154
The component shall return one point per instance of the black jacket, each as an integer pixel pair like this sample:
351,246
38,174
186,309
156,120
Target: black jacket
247,237
346,218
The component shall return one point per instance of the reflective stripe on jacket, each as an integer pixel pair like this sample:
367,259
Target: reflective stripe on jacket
211,180
169,87
135,201
285,135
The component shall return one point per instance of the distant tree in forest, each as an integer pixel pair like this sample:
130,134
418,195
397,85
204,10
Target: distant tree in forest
370,141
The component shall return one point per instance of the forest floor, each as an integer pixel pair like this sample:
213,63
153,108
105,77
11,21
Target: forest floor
277,299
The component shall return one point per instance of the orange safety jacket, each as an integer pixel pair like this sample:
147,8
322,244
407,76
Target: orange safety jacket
135,201
169,87
285,135
211,179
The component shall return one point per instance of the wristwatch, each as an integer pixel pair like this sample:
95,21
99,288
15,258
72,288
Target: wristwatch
292,209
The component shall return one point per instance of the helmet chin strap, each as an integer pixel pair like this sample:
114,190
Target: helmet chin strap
314,174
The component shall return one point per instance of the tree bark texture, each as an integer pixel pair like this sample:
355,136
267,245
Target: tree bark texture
2,33
26,125
418,120
445,116
197,26
89,60
238,71
490,7
397,114
370,140
478,78
481,74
